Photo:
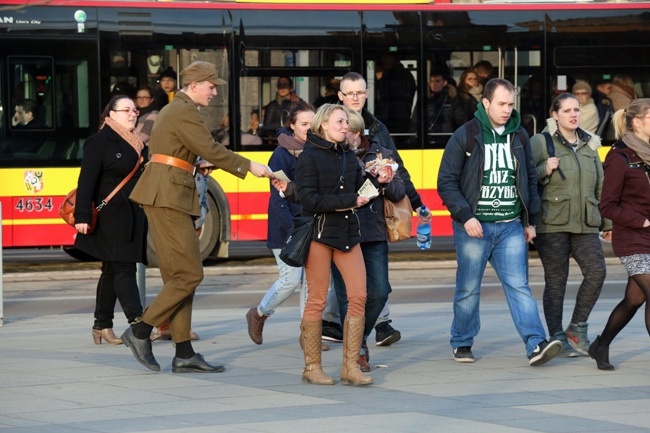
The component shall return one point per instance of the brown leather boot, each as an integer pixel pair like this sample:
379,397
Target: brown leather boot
352,335
255,325
310,334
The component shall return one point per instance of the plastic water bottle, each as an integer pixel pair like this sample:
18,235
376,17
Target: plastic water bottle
424,230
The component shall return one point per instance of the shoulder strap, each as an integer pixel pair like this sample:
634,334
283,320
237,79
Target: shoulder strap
120,185
471,128
550,146
550,149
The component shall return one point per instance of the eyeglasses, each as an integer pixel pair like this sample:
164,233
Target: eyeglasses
143,97
284,86
128,111
354,95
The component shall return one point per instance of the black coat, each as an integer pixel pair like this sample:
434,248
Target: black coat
318,171
121,233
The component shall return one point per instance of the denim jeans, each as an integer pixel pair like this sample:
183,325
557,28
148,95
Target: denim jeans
290,278
375,256
504,247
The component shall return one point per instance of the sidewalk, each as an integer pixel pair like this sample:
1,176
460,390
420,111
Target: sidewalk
54,379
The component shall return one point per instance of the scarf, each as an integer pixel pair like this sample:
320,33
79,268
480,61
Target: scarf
642,148
293,145
128,136
476,92
363,147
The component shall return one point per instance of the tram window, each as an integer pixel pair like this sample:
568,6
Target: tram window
602,56
304,58
30,81
46,95
3,104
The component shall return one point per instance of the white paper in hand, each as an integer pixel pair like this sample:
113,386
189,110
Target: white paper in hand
280,175
368,190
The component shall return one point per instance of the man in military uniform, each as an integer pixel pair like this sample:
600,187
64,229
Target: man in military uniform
167,192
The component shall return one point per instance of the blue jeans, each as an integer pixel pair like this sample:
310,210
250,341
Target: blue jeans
375,256
289,279
504,246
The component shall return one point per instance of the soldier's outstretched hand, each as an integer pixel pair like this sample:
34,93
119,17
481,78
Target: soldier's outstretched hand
260,170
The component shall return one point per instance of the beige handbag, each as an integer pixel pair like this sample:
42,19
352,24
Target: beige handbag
398,217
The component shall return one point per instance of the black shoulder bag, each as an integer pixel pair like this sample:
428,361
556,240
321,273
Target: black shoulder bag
296,247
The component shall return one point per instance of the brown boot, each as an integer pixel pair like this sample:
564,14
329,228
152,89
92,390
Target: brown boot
310,333
255,325
352,335
323,347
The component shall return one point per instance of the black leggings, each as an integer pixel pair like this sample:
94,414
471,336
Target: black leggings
554,250
637,292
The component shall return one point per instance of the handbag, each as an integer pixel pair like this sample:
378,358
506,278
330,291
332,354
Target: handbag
398,216
66,210
296,247
67,207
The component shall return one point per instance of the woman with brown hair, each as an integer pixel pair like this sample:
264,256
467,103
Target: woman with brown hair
119,240
284,203
469,95
572,177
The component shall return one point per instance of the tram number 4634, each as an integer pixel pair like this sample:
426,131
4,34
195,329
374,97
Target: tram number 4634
34,204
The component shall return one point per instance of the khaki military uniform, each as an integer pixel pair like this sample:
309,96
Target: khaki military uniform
168,195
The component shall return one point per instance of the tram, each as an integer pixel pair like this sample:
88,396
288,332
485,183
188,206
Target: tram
71,56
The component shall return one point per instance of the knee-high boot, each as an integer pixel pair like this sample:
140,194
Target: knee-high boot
310,336
352,335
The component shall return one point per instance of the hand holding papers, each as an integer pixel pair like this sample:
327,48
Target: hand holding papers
368,190
280,175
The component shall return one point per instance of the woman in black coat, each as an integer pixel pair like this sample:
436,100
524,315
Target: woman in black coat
328,177
119,239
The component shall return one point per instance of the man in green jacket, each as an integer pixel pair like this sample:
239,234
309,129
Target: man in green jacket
167,192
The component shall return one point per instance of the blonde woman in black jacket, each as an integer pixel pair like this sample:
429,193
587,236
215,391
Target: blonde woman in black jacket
328,178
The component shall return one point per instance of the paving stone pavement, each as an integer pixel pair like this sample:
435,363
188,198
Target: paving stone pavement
54,379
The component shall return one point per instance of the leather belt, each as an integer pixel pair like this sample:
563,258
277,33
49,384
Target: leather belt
174,162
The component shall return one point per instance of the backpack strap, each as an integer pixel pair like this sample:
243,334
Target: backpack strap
550,149
471,129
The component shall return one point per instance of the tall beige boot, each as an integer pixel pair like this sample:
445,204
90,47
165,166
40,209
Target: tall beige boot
352,335
310,335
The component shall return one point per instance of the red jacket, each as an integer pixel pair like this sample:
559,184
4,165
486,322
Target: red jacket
626,200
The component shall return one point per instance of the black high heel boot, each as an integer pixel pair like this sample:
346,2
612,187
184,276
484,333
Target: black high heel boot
601,354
